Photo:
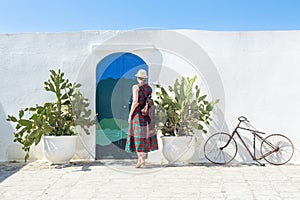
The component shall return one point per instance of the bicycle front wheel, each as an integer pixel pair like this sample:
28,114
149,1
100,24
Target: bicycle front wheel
281,145
215,150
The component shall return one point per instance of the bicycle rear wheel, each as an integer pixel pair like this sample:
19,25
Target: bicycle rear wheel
283,146
214,149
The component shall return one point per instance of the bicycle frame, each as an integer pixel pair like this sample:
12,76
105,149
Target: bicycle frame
255,134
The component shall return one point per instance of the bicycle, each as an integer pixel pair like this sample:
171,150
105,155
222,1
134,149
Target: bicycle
221,148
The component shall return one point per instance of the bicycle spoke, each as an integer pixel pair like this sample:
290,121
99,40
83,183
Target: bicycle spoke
283,149
224,156
219,152
213,151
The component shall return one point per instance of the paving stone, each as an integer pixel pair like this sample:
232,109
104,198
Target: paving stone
239,197
289,195
267,197
94,180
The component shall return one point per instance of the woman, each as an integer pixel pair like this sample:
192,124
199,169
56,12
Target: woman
141,136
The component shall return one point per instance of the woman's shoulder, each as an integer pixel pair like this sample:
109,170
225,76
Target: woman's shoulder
135,87
144,86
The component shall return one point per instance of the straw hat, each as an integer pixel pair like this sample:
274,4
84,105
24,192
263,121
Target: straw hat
141,74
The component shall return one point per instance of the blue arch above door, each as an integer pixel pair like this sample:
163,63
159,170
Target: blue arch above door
109,67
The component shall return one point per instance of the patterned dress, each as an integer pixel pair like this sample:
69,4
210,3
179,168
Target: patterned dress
141,135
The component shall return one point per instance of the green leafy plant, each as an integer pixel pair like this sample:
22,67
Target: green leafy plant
53,118
182,109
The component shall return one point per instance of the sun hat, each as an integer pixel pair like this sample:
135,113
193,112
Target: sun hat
141,73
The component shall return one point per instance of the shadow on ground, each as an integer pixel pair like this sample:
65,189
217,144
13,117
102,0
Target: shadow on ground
9,168
119,163
86,165
225,165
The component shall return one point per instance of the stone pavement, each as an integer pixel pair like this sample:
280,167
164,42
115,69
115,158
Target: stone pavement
118,179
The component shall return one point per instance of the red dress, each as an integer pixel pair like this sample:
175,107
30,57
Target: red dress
141,135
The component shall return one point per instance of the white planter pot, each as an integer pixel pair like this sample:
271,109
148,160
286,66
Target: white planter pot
59,149
178,150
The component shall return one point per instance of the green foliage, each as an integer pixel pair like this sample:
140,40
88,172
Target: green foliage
183,109
53,118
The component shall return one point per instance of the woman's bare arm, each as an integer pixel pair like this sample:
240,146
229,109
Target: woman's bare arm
135,101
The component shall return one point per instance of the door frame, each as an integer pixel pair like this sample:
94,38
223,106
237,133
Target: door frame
112,149
87,75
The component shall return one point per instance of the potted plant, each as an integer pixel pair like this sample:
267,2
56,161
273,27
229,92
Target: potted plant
179,112
55,121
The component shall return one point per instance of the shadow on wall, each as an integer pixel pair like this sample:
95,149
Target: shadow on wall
219,124
6,135
243,155
6,142
9,150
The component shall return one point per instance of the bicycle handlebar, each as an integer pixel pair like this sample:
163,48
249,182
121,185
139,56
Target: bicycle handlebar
243,119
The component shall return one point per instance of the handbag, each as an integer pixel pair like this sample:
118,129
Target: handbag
149,103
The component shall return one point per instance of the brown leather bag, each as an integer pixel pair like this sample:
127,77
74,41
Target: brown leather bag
149,103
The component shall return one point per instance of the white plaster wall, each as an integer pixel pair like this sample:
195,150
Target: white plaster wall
26,59
259,72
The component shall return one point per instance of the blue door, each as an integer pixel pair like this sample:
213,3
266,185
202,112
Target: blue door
115,78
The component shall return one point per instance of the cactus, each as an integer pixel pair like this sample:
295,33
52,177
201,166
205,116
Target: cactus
182,109
53,118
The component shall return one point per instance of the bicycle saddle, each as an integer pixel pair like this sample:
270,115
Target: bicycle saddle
243,119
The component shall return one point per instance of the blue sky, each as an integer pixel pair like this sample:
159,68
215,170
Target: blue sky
221,15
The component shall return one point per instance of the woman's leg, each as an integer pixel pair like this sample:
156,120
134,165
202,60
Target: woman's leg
141,159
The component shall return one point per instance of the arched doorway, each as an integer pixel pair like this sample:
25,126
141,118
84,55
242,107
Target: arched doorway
115,78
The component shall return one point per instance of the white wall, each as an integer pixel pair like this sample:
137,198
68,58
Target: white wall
260,75
26,59
253,73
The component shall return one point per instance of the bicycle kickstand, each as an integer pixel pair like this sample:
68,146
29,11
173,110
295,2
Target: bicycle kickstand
261,164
